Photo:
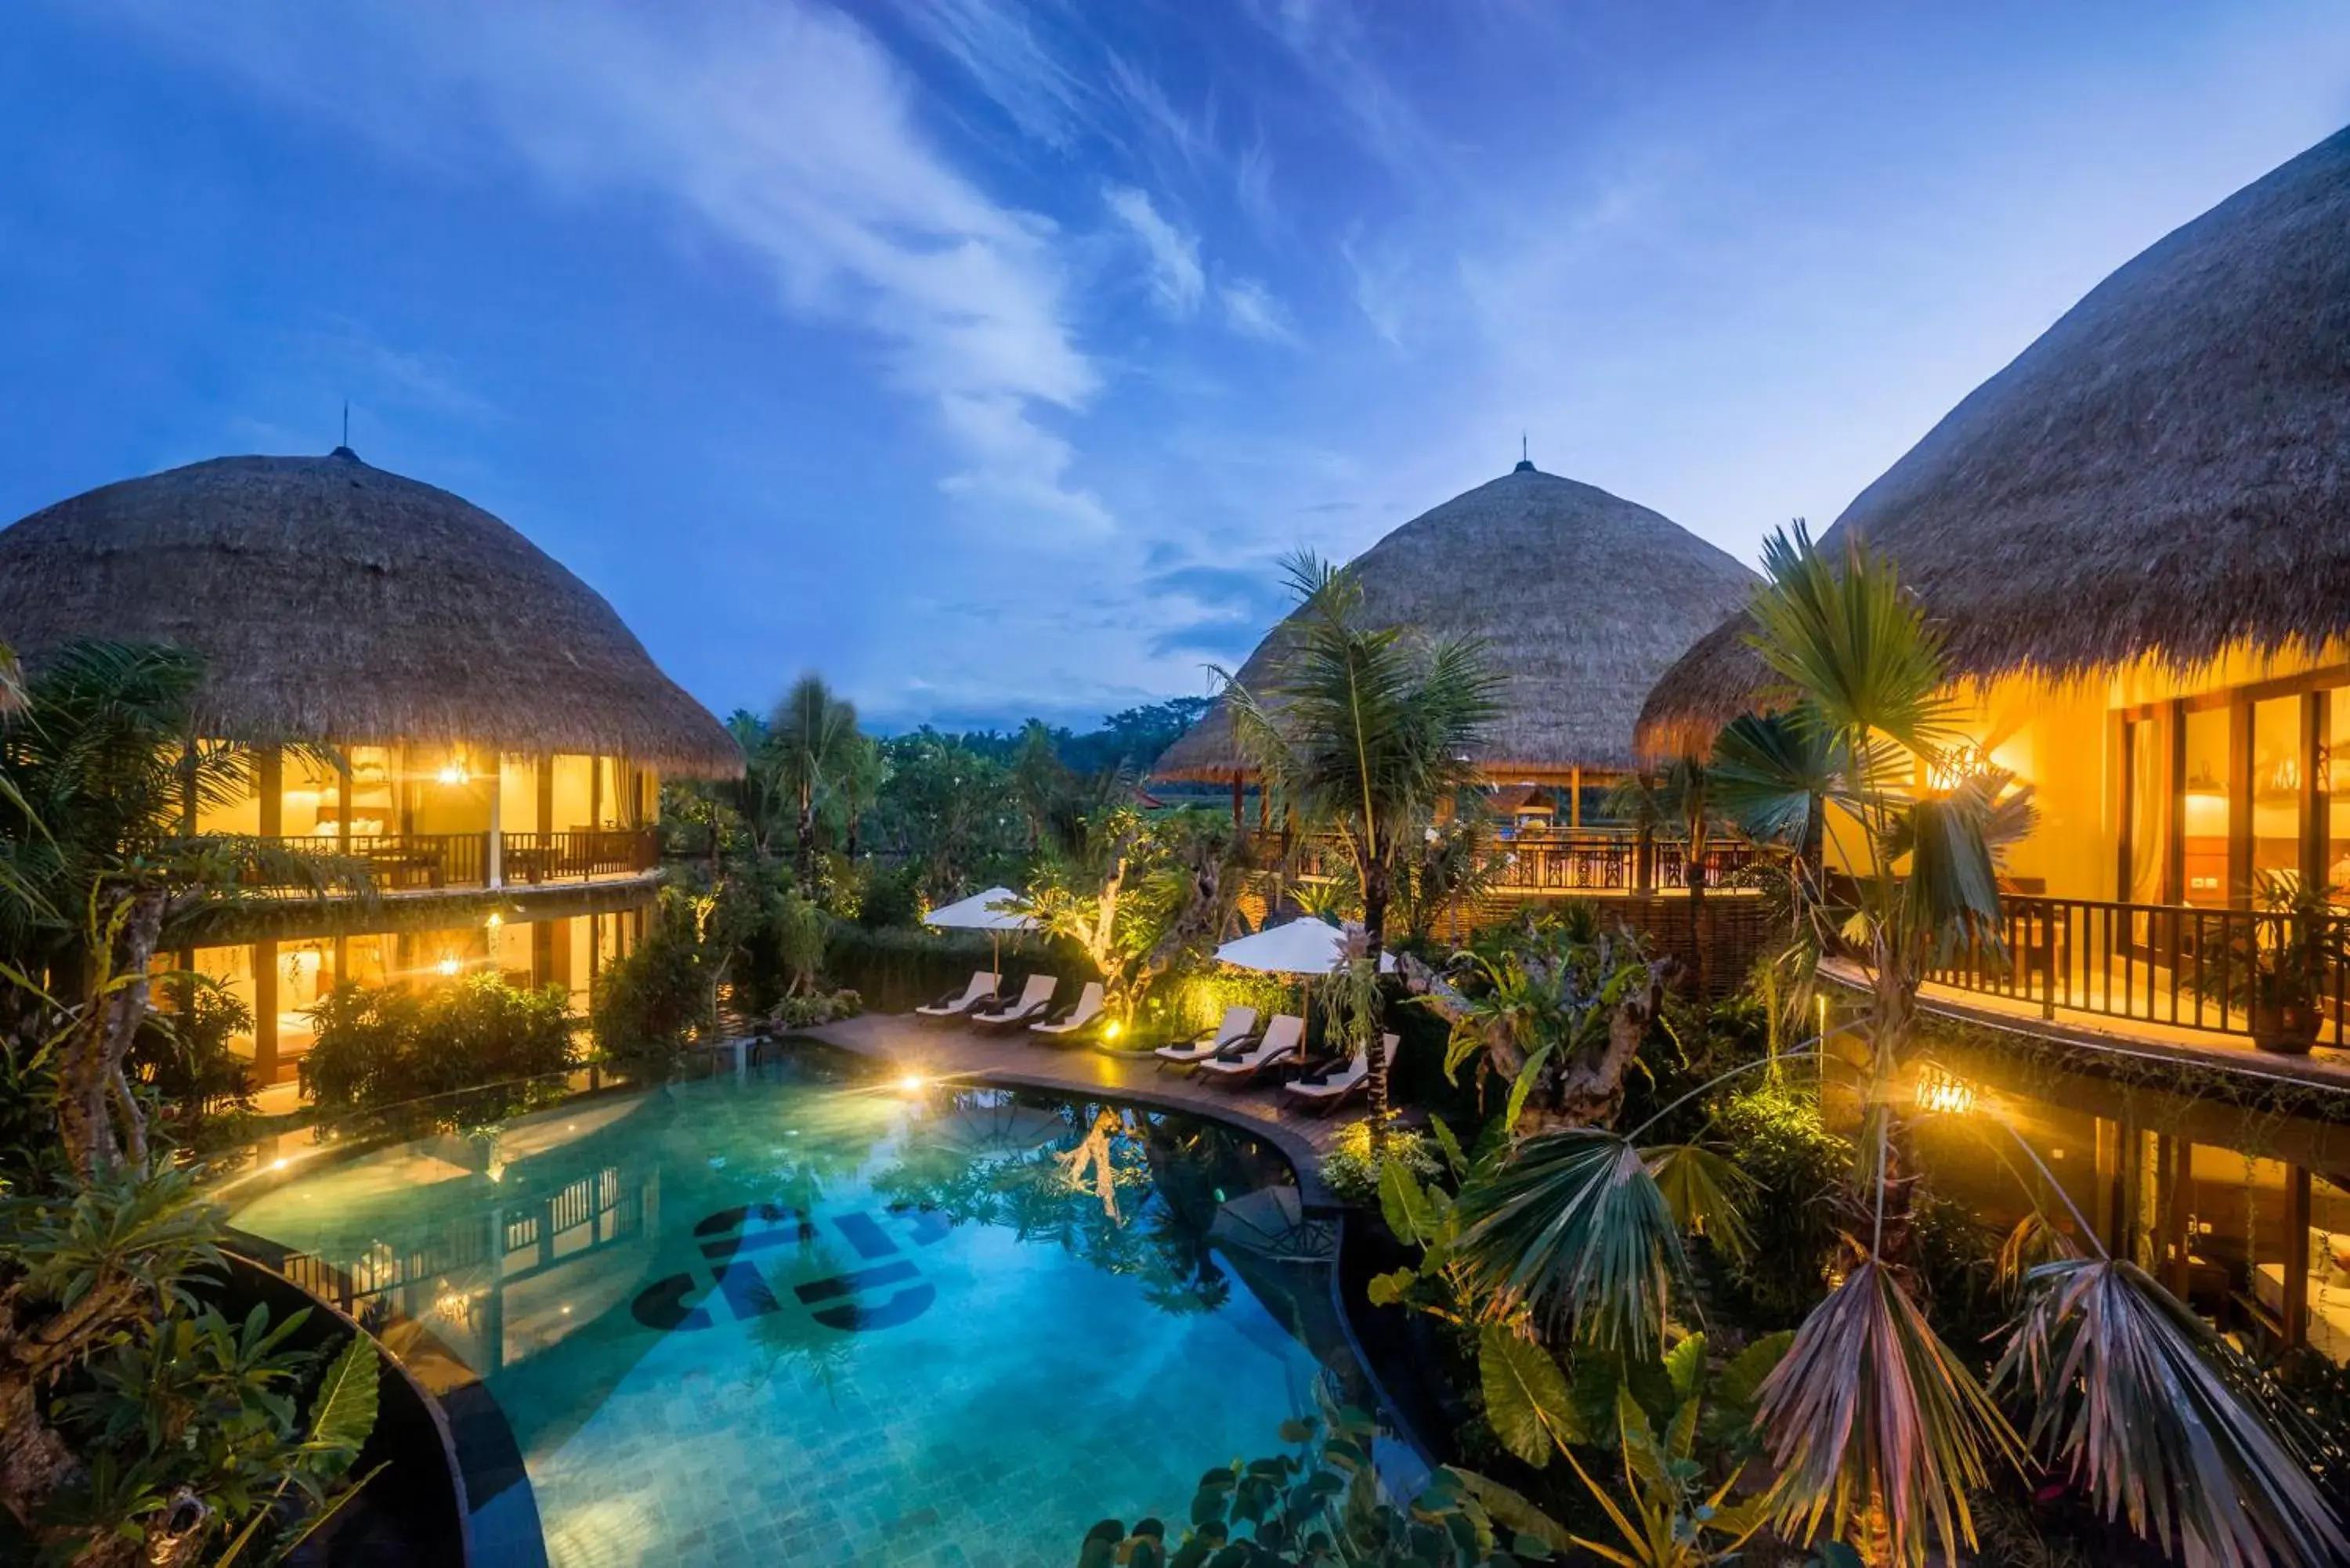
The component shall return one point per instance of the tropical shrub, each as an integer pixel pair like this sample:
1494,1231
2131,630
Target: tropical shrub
816,1007
184,1057
142,1424
381,1047
1789,1153
655,1001
1351,1169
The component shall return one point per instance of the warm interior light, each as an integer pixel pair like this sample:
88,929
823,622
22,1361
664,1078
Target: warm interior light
448,964
453,772
495,920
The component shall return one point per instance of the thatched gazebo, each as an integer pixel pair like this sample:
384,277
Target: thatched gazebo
337,603
2163,477
1583,598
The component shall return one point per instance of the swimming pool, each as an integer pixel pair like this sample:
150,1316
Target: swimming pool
809,1317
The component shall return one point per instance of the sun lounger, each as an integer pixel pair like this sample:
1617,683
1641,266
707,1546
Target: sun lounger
1280,1042
955,1003
1080,1014
1238,1024
1339,1086
1034,1000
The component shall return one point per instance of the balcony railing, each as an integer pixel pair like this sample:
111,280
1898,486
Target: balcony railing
530,858
1579,860
423,862
2152,963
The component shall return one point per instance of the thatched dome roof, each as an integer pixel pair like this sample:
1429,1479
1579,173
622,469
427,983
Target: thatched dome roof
1583,596
333,601
2164,474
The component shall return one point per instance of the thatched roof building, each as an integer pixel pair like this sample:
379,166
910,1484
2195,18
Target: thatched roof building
2165,473
1583,596
333,601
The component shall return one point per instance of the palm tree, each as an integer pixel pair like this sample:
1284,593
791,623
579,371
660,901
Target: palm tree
1877,1429
1364,733
762,797
814,733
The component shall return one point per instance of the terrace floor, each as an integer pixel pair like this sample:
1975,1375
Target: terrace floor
935,1050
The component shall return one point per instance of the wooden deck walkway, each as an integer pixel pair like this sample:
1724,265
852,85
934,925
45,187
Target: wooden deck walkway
911,1044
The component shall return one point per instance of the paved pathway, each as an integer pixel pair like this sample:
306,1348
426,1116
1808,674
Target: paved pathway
951,1050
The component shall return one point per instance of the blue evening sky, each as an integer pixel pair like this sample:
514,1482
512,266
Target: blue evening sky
986,355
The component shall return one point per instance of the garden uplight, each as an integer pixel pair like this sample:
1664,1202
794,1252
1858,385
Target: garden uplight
910,1083
1110,1031
448,966
1944,1093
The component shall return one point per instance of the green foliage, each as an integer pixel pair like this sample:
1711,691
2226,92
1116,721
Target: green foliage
1320,1504
1526,1399
1142,894
1353,1168
950,815
104,1305
1532,1003
185,1057
1576,1230
662,996
817,1007
1787,1152
383,1047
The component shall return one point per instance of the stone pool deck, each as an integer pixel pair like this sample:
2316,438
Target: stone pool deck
936,1050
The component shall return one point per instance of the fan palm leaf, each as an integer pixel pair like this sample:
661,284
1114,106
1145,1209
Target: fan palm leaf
1853,642
1576,1230
1871,1418
2161,1421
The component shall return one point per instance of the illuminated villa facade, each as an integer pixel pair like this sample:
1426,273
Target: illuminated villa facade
420,693
2136,542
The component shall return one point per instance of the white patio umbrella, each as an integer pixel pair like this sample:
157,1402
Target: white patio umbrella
995,911
1303,946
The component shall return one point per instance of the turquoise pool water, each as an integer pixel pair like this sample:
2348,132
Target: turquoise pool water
808,1318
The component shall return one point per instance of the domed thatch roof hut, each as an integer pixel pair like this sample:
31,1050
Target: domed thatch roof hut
335,602
1583,596
2164,474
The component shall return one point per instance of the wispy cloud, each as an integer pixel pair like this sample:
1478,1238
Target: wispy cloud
1252,185
784,128
1377,288
995,43
1251,311
1176,277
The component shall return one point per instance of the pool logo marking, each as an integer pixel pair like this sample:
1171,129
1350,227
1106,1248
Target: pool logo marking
747,1294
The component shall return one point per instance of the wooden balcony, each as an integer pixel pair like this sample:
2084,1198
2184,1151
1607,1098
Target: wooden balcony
2170,969
1567,861
436,862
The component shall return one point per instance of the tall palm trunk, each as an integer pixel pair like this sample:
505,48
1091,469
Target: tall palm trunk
804,863
1375,891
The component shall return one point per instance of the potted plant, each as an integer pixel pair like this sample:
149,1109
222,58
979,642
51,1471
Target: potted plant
2287,962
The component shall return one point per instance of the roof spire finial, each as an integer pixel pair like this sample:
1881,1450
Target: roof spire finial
345,450
1525,462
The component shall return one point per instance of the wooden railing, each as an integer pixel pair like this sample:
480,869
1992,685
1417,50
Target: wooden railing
1580,860
532,858
2154,963
411,862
